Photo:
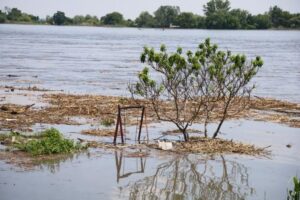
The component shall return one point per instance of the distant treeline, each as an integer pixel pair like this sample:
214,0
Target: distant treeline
218,15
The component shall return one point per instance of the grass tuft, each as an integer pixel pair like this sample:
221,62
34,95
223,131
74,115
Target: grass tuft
50,141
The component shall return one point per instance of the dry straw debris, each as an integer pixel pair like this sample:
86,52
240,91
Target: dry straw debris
213,146
99,132
62,107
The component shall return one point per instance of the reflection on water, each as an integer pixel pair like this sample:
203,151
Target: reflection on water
52,164
191,177
120,165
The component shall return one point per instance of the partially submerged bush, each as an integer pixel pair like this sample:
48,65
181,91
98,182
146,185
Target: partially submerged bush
50,141
193,85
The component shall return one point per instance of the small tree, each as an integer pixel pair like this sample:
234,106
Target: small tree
188,87
59,18
227,82
113,18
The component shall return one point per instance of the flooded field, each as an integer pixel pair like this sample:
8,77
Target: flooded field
90,60
101,174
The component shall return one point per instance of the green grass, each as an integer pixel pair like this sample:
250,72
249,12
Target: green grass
49,142
107,122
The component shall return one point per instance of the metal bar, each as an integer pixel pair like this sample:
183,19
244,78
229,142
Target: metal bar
141,124
117,126
121,129
130,107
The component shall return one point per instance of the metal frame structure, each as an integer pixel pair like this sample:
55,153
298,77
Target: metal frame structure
119,122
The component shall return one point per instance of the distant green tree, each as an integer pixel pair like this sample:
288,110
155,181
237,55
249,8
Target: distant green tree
243,17
295,21
187,20
93,21
113,18
49,20
262,21
279,18
14,14
24,18
130,23
217,15
78,19
145,20
34,18
2,17
214,6
200,22
166,15
217,20
59,18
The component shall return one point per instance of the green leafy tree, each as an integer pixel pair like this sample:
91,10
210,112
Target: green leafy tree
262,21
217,15
217,20
34,18
187,20
113,18
200,22
129,23
78,19
93,21
2,17
166,15
59,18
194,83
295,21
243,18
24,18
279,18
214,6
14,14
49,20
145,20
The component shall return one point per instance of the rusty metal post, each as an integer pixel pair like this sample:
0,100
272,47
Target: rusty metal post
121,128
117,125
141,123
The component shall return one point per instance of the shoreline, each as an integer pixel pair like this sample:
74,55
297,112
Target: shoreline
156,28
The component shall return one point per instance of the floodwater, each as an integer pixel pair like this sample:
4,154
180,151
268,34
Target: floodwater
105,60
116,175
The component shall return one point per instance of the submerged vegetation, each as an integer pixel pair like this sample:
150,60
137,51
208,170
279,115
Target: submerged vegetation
48,142
218,15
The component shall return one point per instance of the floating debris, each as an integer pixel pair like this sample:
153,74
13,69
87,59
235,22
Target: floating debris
99,132
214,146
62,108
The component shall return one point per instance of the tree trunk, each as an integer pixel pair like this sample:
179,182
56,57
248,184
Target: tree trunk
185,135
205,128
218,129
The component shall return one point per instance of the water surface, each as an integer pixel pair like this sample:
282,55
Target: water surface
104,60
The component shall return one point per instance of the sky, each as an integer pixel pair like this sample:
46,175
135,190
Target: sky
132,8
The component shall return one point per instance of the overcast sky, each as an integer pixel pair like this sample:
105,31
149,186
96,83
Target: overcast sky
132,8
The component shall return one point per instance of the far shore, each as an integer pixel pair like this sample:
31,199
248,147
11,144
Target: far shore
135,27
